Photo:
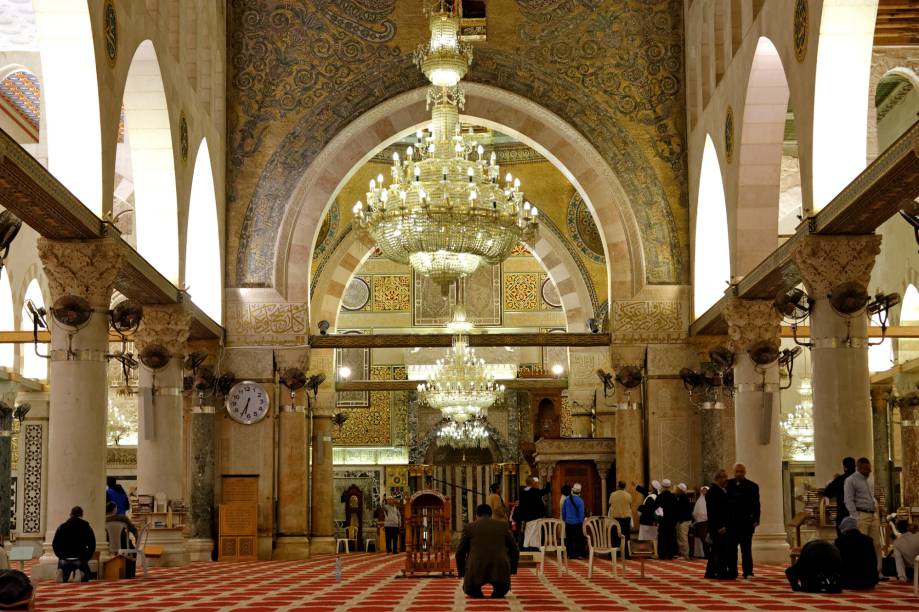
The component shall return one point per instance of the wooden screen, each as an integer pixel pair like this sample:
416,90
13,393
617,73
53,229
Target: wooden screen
238,519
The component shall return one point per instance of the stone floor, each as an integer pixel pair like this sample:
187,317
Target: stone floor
371,583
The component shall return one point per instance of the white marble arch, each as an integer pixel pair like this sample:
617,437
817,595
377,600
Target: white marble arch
514,115
548,249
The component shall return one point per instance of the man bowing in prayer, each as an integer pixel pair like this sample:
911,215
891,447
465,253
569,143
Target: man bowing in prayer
487,553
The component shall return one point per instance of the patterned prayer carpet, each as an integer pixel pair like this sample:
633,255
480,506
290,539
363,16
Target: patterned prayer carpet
372,583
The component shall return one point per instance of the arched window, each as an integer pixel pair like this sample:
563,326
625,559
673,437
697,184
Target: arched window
7,321
908,349
202,240
33,366
149,136
712,255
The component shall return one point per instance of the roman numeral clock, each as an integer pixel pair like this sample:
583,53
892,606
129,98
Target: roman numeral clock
247,402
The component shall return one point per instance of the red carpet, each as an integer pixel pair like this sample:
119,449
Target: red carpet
370,583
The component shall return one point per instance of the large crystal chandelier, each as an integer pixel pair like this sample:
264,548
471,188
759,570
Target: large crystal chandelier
798,426
460,385
446,210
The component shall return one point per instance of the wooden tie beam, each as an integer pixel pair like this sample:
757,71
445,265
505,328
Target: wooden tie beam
334,341
412,385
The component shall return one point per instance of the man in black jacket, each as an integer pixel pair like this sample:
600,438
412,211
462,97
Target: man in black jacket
74,544
743,500
719,564
530,505
836,489
666,534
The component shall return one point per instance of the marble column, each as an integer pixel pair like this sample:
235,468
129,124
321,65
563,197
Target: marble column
842,407
322,535
160,465
881,462
76,443
757,435
909,439
203,452
712,420
292,542
32,470
8,391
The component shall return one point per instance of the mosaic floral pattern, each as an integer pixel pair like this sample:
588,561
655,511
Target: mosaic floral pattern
327,232
367,426
392,293
583,230
22,91
521,291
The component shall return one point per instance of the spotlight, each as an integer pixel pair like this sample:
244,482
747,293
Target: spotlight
557,370
344,372
323,328
592,326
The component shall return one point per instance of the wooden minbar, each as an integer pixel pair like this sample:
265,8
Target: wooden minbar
427,534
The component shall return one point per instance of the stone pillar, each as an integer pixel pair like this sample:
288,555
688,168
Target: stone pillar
76,455
322,535
909,437
201,543
32,470
628,424
603,470
8,391
712,420
160,465
881,462
758,439
292,540
842,410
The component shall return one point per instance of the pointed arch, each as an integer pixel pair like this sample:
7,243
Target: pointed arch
711,244
203,267
149,136
71,97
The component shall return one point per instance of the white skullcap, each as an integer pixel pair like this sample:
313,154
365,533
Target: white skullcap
682,486
656,484
667,483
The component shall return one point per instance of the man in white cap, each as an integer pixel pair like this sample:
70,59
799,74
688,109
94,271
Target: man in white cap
666,524
683,519
647,512
573,513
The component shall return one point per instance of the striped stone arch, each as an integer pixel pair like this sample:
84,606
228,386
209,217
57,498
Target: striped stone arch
552,137
548,249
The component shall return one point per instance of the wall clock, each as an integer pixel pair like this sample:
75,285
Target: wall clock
247,402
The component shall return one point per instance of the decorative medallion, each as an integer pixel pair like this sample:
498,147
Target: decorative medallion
327,231
729,135
583,230
110,30
800,29
183,136
356,295
520,291
550,294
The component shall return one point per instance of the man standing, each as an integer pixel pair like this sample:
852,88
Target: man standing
719,564
861,505
620,508
666,535
486,553
573,513
743,500
835,490
683,519
530,505
700,524
74,544
392,520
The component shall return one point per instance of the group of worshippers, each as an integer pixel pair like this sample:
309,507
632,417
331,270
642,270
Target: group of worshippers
854,560
664,516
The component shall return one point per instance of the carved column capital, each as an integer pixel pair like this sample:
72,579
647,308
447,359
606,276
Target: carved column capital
85,268
827,261
751,321
704,344
167,325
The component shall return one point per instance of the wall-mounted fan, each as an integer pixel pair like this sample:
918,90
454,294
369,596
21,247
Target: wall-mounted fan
155,356
848,299
193,361
72,313
125,317
39,315
10,225
795,307
629,376
692,380
878,311
607,379
224,383
294,379
203,382
764,352
787,362
722,357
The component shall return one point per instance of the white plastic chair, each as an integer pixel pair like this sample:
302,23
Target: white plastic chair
350,534
598,531
137,554
552,539
115,532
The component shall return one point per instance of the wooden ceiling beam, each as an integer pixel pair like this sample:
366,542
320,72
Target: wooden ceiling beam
332,341
412,385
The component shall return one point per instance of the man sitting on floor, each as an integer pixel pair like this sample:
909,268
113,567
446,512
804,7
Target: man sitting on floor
487,553
818,568
859,560
905,550
74,544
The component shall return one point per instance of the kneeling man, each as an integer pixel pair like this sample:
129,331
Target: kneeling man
487,553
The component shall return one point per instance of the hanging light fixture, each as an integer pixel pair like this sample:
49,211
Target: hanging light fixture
446,210
470,434
798,426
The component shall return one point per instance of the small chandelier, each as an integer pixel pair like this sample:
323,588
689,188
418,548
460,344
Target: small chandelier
446,211
798,426
471,434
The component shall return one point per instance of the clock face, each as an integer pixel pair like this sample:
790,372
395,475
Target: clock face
247,402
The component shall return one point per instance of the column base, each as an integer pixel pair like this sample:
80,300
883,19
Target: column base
175,551
770,548
200,549
320,545
291,548
46,568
